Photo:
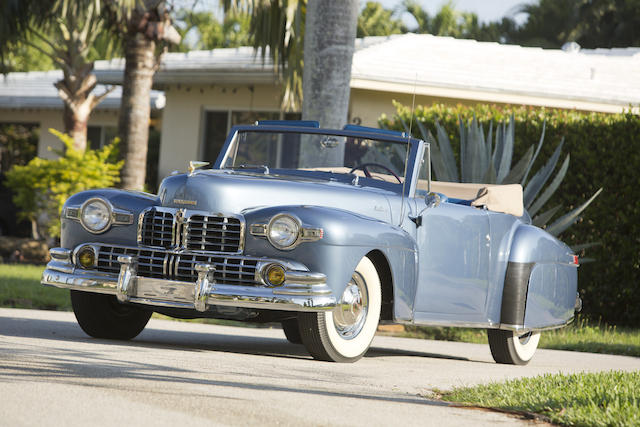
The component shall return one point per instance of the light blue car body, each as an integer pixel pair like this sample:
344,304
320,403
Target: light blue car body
440,262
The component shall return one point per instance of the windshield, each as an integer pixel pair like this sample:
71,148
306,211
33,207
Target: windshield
372,161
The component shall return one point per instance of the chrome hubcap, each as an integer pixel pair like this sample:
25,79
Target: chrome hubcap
524,339
351,312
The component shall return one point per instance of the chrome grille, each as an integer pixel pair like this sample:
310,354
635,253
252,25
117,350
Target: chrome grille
180,266
213,233
193,230
156,229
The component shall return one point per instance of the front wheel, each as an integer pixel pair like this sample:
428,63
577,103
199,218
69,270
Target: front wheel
345,333
511,348
102,316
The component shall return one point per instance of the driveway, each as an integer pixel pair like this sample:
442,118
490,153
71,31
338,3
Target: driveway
178,373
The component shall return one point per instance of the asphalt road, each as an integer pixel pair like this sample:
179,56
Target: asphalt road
183,374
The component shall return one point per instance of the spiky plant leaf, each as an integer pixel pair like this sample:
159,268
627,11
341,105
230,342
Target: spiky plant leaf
551,188
544,217
540,179
476,168
507,151
424,133
535,156
520,168
490,175
447,153
406,126
569,219
439,167
582,247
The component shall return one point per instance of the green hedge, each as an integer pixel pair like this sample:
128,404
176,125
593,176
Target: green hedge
605,152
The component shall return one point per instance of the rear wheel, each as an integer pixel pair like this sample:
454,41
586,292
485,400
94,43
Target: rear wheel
291,331
102,316
511,348
345,333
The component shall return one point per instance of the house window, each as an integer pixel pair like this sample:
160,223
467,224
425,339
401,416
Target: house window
98,136
218,123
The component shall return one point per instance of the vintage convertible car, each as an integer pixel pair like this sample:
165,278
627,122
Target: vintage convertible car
328,232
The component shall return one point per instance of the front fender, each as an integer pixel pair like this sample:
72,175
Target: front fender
347,237
72,233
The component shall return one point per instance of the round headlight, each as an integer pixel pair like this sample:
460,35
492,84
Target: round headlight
96,215
283,231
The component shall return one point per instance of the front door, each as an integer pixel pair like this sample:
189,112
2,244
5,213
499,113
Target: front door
454,254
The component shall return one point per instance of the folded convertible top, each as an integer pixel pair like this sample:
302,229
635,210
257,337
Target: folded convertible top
498,198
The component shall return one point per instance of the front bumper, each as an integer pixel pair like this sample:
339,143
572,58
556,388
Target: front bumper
302,290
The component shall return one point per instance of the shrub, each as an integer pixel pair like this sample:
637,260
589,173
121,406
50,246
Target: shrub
605,152
41,186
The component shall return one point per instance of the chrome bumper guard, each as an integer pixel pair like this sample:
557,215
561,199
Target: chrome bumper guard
301,290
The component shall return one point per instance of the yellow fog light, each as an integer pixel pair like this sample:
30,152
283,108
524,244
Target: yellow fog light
87,257
275,275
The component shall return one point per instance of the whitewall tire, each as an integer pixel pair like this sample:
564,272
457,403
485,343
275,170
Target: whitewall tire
512,348
345,333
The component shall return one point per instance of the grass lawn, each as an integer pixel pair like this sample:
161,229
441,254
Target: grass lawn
20,288
579,336
595,399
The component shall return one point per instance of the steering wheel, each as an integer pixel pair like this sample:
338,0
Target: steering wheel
364,167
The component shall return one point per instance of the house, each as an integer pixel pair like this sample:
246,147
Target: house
31,99
207,92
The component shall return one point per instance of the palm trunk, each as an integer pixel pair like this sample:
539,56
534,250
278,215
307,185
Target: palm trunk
75,90
75,125
330,32
135,111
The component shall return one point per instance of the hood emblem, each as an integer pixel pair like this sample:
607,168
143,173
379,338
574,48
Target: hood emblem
185,202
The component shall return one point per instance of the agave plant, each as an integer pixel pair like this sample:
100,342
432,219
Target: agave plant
484,161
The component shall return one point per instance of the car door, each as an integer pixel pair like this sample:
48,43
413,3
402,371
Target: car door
454,255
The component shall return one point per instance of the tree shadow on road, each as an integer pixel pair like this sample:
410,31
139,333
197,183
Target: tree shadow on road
187,341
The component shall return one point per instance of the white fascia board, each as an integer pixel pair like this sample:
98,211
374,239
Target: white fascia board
489,96
195,77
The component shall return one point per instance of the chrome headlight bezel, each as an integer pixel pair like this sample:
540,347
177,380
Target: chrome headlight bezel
294,236
109,215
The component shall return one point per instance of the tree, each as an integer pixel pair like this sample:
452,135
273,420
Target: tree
375,20
143,28
590,23
202,31
64,31
452,23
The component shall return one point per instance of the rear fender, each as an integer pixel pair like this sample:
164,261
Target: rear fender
540,282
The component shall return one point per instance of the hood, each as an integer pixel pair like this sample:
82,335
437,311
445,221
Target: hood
230,192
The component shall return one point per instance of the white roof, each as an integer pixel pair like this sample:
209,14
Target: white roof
35,90
231,65
444,66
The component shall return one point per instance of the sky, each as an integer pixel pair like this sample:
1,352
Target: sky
487,10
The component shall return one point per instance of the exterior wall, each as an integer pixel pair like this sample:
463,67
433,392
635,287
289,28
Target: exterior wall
182,121
52,118
366,106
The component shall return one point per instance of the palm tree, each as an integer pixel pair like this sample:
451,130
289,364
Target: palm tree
327,30
143,28
65,31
